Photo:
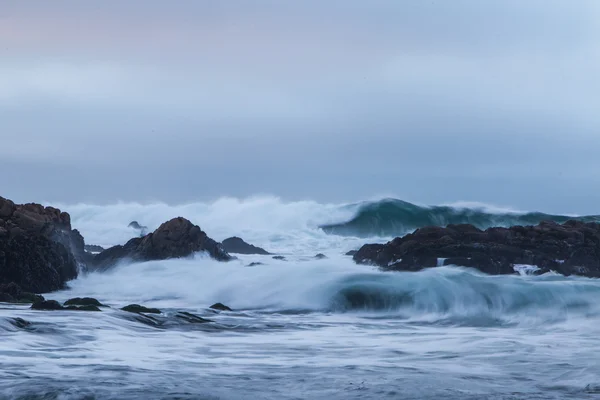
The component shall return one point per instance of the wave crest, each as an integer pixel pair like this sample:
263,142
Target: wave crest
392,217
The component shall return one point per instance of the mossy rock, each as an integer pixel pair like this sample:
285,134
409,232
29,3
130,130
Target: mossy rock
27,297
83,301
47,305
136,308
220,307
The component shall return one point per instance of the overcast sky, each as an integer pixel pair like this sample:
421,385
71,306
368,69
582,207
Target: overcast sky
339,100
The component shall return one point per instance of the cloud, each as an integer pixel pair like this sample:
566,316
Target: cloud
332,99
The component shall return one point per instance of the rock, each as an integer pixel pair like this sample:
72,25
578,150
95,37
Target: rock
88,307
569,249
173,239
12,293
238,246
36,263
254,264
19,322
136,308
83,301
220,307
92,248
352,252
27,297
11,289
47,305
280,258
39,250
192,318
6,298
136,225
320,256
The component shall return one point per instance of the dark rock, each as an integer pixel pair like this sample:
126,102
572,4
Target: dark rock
320,256
6,298
136,225
136,308
352,252
570,249
19,322
238,246
254,264
12,293
83,301
191,318
174,239
281,258
12,289
36,263
88,307
92,248
47,305
220,307
39,250
27,297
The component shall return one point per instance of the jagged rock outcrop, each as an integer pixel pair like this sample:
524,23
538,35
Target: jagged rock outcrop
93,248
237,245
176,238
572,248
39,250
136,225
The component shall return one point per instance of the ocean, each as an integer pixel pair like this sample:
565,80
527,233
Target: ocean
302,327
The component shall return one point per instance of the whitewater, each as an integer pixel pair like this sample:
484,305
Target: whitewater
305,328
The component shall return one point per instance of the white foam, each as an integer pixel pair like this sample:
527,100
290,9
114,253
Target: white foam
525,269
269,222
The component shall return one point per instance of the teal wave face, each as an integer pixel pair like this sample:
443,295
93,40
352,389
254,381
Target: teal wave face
459,295
391,217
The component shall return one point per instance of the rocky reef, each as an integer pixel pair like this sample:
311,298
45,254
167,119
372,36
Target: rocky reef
572,248
239,246
173,239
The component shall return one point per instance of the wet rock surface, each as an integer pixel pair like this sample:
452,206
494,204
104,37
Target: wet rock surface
572,248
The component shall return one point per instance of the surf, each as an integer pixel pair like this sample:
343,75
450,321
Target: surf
392,217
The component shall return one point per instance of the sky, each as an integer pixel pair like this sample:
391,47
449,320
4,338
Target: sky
429,101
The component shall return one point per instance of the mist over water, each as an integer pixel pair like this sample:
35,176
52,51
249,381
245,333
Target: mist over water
301,327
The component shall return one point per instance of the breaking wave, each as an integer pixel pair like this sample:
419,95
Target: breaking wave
392,217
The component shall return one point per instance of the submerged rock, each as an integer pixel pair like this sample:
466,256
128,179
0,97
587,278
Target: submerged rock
352,252
254,264
238,246
83,301
191,318
320,256
136,308
220,307
280,258
19,322
572,248
176,238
